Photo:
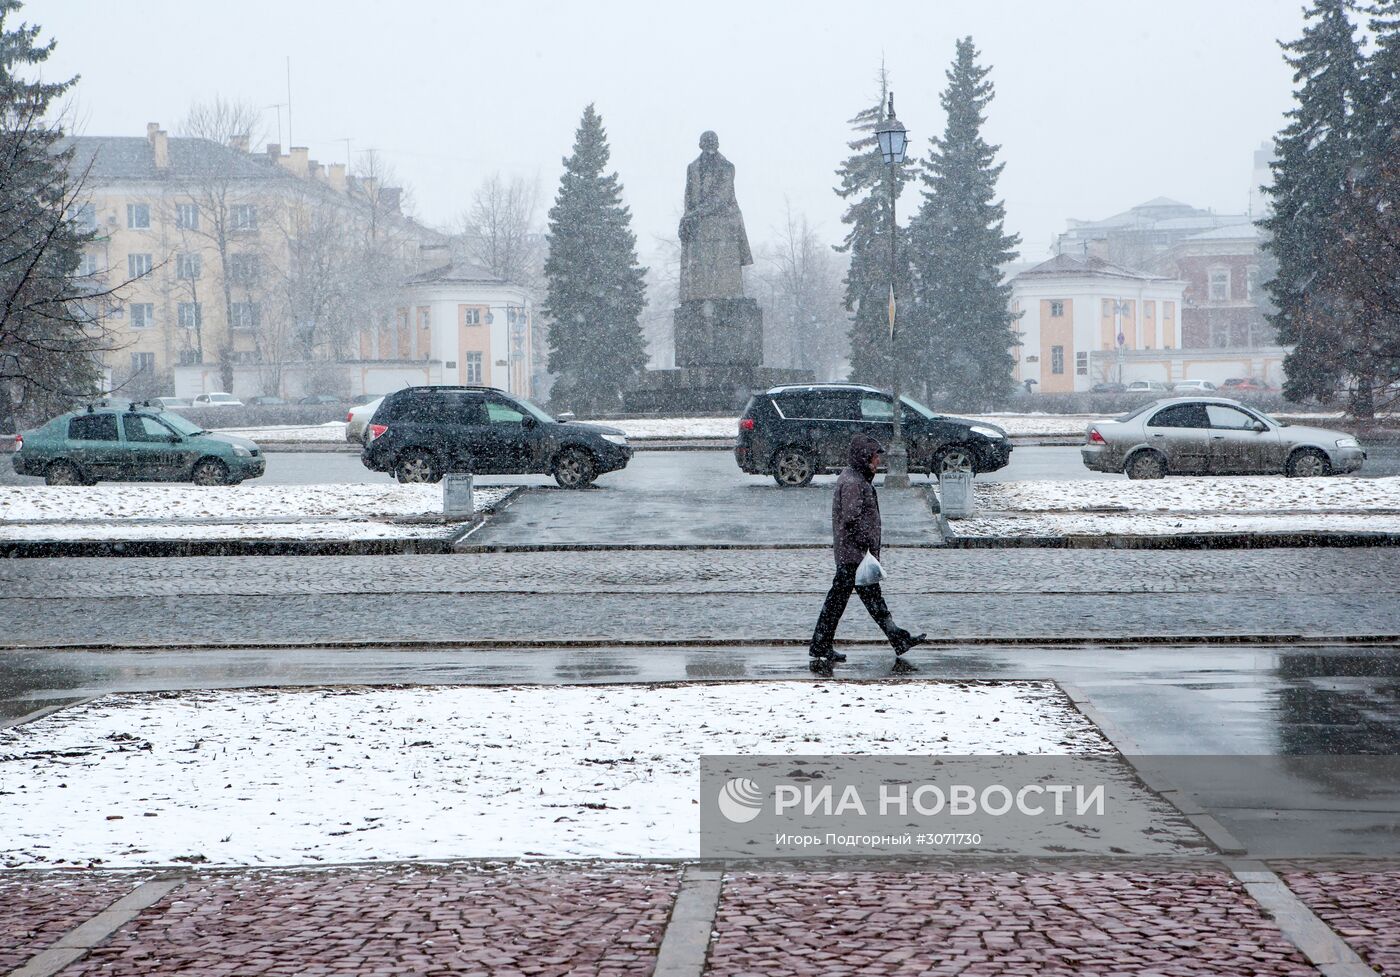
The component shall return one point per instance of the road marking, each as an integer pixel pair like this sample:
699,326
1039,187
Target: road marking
1324,949
686,942
76,943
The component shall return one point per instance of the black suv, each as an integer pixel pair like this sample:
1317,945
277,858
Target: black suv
419,433
795,432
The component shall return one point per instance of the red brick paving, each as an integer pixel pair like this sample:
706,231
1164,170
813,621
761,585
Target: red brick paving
36,909
1362,907
1003,923
365,922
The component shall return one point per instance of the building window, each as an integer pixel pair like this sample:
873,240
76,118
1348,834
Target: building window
1081,364
85,218
1251,284
243,217
1057,310
1057,359
1220,284
1108,308
138,265
143,315
187,266
87,264
191,357
187,217
473,368
471,317
425,318
191,316
243,268
245,315
143,363
138,216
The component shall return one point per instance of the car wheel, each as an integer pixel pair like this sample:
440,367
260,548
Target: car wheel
954,458
1146,464
574,468
794,467
210,471
416,467
64,473
1308,463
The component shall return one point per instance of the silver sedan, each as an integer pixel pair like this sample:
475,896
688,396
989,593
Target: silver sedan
1214,436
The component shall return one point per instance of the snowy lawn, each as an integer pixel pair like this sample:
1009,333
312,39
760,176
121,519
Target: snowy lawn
330,431
293,776
1176,506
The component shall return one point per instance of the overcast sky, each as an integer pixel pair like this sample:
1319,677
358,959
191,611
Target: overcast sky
1099,105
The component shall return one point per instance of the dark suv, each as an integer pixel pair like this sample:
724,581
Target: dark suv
795,432
419,433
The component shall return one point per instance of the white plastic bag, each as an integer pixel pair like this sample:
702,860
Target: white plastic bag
869,572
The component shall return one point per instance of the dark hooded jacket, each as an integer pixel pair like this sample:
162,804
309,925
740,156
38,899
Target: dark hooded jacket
855,509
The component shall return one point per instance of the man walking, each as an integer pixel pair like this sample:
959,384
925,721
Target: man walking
855,530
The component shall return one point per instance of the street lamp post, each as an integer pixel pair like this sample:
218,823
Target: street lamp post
893,138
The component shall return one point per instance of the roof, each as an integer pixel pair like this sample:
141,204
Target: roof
133,158
838,384
1086,266
454,272
1231,232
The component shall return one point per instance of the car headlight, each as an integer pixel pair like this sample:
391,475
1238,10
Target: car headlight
241,451
987,432
1348,443
615,438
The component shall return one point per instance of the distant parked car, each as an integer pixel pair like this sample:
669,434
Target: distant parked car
267,401
1146,387
169,402
1107,388
133,443
419,433
1214,436
357,421
360,400
1241,385
796,432
319,399
1193,386
216,399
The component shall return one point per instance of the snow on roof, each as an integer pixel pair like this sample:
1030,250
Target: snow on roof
1086,266
1230,232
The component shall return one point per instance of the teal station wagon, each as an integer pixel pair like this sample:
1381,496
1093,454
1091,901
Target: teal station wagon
135,442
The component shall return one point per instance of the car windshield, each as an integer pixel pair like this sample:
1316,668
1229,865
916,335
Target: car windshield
539,412
917,407
182,425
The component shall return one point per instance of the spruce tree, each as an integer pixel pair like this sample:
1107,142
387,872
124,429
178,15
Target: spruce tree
865,182
1315,154
595,289
50,331
958,247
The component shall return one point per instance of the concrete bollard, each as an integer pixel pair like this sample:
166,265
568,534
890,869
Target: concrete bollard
955,498
457,495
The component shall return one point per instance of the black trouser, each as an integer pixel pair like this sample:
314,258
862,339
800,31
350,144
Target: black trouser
837,597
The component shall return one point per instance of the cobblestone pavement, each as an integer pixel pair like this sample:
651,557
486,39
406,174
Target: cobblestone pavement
367,922
680,595
1363,907
877,924
36,911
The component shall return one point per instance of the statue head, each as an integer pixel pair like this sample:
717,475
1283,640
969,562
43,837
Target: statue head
709,142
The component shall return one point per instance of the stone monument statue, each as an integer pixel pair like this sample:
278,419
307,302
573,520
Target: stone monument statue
714,246
719,332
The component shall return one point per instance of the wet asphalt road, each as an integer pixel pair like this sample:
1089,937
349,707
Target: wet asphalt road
707,469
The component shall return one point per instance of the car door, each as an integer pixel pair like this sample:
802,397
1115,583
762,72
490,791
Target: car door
464,433
150,453
1181,432
1236,447
874,418
511,438
93,442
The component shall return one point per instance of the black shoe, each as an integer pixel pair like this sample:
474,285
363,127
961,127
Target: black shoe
906,641
830,656
821,665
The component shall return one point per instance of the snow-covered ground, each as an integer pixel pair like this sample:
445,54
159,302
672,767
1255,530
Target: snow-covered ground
330,431
1174,506
333,775
169,512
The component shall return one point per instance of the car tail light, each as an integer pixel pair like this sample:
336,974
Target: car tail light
746,424
375,430
19,441
349,416
1095,437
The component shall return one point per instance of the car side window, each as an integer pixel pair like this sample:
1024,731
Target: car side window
93,427
1228,418
499,413
144,428
1179,416
875,409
